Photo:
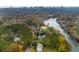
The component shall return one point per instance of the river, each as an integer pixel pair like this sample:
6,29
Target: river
52,22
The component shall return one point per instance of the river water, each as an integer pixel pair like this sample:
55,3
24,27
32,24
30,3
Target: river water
52,22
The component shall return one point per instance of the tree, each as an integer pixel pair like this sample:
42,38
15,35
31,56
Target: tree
15,47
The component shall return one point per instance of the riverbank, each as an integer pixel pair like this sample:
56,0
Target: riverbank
53,23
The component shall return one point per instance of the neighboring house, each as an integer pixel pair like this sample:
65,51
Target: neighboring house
16,39
39,33
44,27
39,47
41,36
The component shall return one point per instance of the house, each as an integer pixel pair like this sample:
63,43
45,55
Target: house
44,27
41,36
16,39
39,47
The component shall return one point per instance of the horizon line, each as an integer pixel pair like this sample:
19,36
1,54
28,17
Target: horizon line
33,6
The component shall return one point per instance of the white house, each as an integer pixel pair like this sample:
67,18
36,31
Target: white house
39,47
16,39
44,27
41,37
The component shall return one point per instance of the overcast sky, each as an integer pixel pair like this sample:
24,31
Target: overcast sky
27,3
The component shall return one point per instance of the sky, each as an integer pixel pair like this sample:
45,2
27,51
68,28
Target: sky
33,3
